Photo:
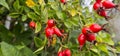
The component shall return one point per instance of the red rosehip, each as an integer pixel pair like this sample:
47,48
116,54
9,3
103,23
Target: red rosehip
49,32
86,30
57,32
91,37
63,1
67,52
51,23
60,53
97,5
95,28
98,1
108,4
102,13
81,40
32,24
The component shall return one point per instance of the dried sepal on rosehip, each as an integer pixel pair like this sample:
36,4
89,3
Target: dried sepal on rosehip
86,30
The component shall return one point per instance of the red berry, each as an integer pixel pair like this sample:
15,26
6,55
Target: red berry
108,4
67,52
98,1
32,24
95,28
86,30
97,5
60,53
91,37
51,23
63,1
102,13
81,39
49,32
57,31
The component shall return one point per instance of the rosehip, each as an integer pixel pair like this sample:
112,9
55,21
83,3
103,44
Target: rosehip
95,28
98,1
102,13
67,52
97,5
57,31
51,23
49,32
86,30
81,40
32,24
60,53
63,1
91,37
108,4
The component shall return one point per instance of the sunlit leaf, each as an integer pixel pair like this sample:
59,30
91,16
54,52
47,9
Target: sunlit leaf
73,12
38,27
4,3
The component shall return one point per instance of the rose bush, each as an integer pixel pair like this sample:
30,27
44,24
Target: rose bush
24,39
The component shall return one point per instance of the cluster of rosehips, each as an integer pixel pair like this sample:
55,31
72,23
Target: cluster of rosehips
100,7
51,29
88,33
65,52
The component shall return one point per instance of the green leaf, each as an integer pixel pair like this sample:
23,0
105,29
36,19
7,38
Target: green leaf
1,52
106,38
32,15
60,15
44,15
39,50
26,51
5,34
103,48
118,48
38,42
95,50
38,27
42,47
16,5
24,17
37,10
14,15
9,50
67,24
4,3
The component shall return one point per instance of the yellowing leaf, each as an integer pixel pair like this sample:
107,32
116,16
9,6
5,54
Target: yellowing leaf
54,41
73,12
41,2
79,13
30,3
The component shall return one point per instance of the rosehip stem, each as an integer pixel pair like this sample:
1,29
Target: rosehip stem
103,27
50,39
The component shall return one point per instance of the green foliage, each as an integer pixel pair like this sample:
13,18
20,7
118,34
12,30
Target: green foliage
21,40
